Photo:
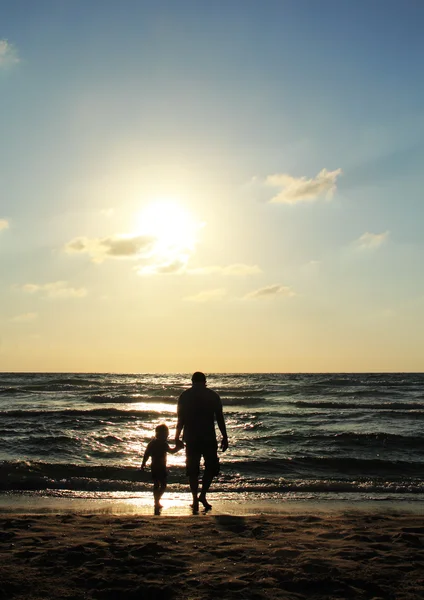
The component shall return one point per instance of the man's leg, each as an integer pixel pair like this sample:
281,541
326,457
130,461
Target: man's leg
206,484
192,469
211,469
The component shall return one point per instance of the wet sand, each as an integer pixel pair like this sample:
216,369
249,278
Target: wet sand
291,555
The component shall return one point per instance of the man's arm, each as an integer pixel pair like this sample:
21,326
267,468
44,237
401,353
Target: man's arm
180,421
178,446
221,424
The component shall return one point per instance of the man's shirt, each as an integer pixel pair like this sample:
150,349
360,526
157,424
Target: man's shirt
197,410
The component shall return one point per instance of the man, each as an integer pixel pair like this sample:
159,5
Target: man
198,408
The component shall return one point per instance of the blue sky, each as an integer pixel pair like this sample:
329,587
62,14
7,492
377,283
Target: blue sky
229,186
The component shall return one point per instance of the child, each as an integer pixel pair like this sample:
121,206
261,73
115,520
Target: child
157,449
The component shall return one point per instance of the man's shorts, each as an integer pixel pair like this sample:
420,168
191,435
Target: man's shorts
194,453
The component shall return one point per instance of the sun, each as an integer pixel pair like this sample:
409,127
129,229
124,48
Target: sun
172,226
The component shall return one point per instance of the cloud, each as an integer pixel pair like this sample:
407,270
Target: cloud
179,267
301,189
8,54
207,296
237,269
271,291
175,267
4,224
111,247
56,289
25,318
372,240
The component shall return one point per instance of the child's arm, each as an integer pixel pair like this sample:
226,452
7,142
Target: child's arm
178,446
146,456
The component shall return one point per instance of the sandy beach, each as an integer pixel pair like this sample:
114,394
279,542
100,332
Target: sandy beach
293,555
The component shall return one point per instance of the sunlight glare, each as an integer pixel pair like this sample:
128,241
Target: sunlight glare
173,226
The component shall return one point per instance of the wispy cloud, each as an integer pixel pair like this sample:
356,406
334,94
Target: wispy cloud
237,269
372,240
207,296
56,289
25,318
179,267
111,247
175,267
271,291
8,54
301,189
4,224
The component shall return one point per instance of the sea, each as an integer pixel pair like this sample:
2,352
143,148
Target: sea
322,437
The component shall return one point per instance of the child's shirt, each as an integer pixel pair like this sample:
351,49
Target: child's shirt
157,449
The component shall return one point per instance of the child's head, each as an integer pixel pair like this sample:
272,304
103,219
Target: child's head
162,432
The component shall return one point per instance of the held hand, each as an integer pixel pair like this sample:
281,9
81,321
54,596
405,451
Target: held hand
179,444
142,468
224,444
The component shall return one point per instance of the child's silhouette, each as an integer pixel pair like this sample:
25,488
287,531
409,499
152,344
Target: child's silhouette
157,450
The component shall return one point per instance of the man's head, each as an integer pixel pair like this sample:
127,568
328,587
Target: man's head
198,377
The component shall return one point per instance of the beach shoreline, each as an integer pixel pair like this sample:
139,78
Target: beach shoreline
178,505
294,555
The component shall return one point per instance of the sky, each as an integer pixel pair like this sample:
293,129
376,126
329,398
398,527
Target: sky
229,186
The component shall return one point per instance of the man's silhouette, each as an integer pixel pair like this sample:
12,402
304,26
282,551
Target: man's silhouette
198,408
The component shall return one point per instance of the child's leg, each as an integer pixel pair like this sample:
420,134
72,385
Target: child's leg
162,487
159,487
157,491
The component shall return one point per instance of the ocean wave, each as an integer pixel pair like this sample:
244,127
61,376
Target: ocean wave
33,476
347,437
364,487
39,475
245,401
331,442
344,467
13,391
129,399
45,446
241,392
332,381
349,405
364,379
98,412
379,437
371,393
75,380
59,443
122,414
